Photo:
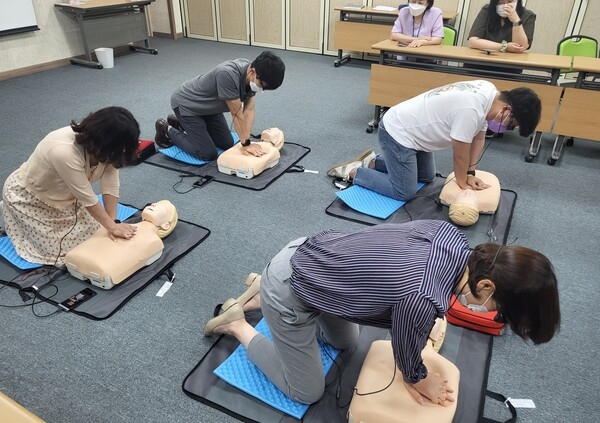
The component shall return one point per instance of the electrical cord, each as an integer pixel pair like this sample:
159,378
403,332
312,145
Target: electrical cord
45,271
354,390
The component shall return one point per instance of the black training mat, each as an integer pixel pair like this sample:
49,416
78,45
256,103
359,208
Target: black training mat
290,155
469,350
55,285
489,228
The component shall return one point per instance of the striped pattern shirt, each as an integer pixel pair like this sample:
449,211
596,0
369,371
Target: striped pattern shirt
394,276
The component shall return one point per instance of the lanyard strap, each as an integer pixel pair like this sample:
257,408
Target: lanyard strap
418,30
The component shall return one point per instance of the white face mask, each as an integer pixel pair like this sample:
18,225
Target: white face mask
500,9
477,308
254,87
416,9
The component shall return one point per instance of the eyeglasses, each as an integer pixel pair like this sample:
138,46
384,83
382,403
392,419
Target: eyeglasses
512,123
499,316
261,83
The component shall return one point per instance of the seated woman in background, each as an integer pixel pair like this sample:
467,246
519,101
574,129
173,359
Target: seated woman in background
419,24
503,25
49,205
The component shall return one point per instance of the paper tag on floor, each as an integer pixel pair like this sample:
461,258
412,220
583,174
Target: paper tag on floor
521,403
163,290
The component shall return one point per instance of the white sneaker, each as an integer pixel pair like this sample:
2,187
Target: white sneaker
363,160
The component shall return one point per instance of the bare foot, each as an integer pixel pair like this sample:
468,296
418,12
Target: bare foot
230,328
252,304
351,175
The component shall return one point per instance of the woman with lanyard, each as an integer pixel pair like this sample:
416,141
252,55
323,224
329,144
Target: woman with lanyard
419,24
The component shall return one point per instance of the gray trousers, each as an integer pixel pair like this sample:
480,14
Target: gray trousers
292,360
202,136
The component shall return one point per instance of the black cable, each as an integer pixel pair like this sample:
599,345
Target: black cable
37,294
25,296
354,390
483,152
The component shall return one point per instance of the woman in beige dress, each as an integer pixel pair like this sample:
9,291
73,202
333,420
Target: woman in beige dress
49,205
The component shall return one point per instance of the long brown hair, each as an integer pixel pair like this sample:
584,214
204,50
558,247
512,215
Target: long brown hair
526,288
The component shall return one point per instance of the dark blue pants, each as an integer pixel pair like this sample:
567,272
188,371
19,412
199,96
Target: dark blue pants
202,135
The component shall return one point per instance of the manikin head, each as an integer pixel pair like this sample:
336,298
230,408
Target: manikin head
465,209
161,214
274,136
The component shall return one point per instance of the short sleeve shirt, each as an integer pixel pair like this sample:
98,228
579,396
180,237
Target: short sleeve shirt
208,94
430,121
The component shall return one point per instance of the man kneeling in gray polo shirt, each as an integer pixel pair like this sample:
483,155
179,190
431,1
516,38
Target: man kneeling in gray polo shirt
199,127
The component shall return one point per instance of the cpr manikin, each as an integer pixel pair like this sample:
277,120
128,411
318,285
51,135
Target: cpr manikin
395,404
234,161
106,263
465,205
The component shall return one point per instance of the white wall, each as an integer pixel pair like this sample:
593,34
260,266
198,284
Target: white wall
58,38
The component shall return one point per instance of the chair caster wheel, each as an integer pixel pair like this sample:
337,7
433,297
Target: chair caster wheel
529,158
369,129
336,64
570,142
551,161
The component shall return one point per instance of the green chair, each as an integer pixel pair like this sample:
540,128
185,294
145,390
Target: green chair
577,45
450,36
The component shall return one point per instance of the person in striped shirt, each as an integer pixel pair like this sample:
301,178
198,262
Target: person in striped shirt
395,276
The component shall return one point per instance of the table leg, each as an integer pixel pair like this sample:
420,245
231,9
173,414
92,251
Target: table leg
88,62
341,59
534,148
375,121
557,149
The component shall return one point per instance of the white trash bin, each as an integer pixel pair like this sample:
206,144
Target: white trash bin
105,57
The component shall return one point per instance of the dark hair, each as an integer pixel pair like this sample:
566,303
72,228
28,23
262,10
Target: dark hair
526,288
111,135
269,69
526,108
494,22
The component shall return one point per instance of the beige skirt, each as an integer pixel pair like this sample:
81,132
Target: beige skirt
39,232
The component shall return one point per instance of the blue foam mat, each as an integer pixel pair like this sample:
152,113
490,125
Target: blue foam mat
238,371
7,249
369,202
178,154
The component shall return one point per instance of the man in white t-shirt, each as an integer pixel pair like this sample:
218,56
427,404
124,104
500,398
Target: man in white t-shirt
455,115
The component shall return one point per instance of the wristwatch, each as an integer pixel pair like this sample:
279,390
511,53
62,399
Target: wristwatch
518,23
246,143
504,46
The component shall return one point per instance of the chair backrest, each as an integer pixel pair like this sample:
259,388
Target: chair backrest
450,36
577,45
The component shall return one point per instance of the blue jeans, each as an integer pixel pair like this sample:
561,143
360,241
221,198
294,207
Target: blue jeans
397,169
